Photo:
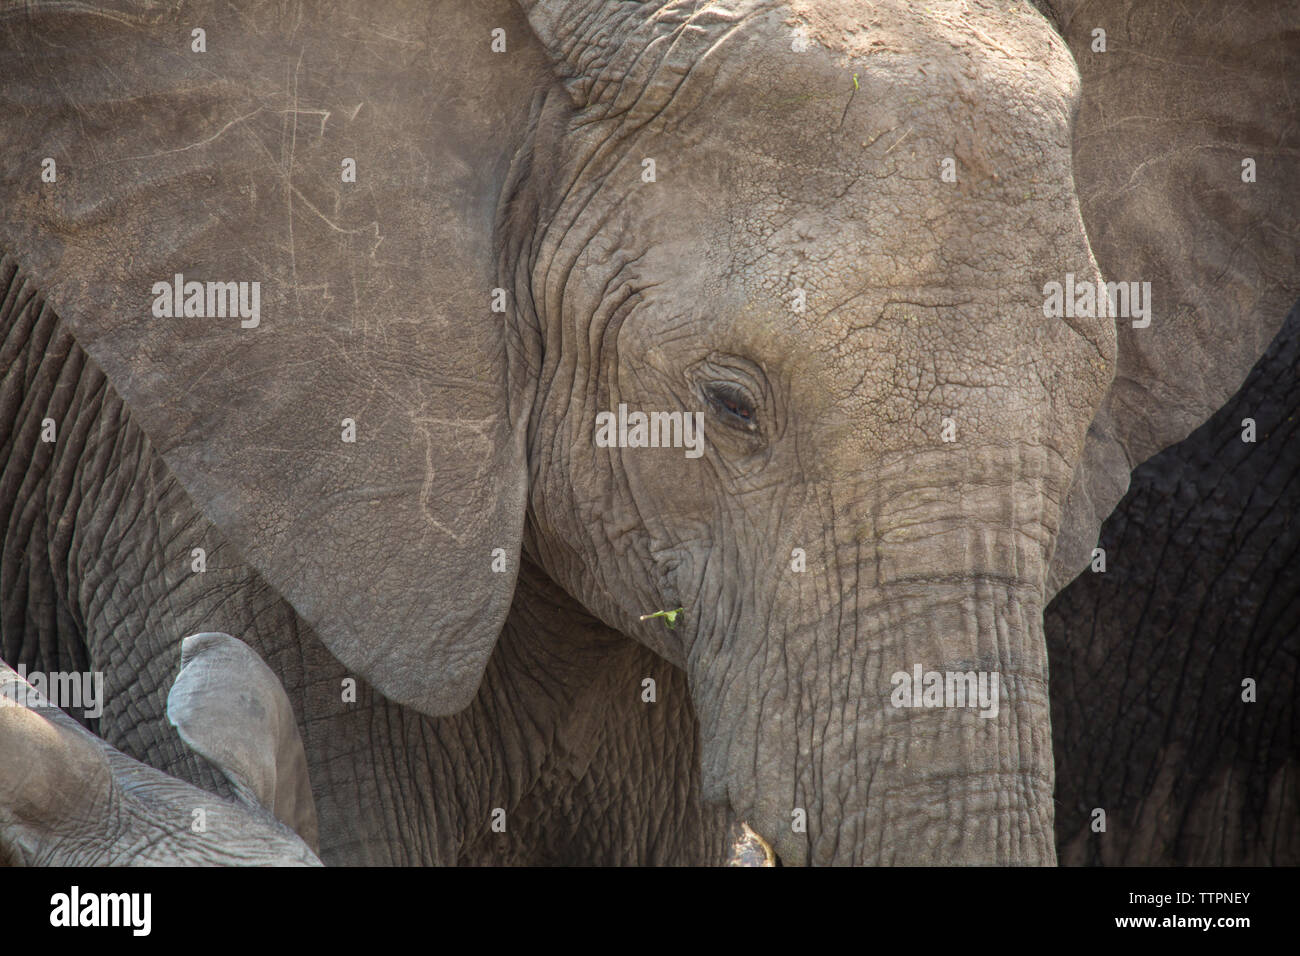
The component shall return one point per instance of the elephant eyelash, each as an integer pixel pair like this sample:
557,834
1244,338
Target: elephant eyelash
732,405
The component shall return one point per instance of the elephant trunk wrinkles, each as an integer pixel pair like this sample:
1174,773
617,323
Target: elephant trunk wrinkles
854,760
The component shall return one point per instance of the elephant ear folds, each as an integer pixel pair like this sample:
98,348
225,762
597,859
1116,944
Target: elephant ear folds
1186,158
330,390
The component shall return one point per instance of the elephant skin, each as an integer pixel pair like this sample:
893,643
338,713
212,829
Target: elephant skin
330,330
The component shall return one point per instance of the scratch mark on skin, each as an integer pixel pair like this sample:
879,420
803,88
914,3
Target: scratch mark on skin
323,114
372,227
290,191
1166,157
900,140
202,142
86,9
1017,57
405,41
872,142
430,470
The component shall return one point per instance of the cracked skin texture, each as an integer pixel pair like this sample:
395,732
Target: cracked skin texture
1142,767
585,771
923,303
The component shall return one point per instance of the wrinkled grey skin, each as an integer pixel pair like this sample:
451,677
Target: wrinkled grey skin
230,708
69,799
777,169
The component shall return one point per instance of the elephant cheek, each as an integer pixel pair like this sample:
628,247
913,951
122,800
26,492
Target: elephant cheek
915,731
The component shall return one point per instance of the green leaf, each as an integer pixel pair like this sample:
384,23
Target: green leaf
670,617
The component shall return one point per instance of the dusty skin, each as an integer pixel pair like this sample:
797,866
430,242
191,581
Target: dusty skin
425,596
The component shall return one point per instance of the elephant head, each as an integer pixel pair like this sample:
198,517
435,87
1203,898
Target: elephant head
827,235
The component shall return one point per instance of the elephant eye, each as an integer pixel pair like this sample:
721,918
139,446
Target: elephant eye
732,404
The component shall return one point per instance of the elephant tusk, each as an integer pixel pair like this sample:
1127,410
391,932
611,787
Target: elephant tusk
750,849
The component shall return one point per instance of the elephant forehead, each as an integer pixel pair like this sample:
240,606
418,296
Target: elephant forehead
1010,30
803,203
911,148
995,69
883,142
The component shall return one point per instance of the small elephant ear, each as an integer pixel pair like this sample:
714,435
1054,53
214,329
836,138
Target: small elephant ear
350,429
231,709
1186,156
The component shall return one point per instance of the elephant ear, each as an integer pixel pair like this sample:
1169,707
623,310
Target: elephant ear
231,709
1186,158
344,164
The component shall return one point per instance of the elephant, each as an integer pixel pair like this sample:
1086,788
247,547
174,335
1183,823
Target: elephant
558,431
1196,600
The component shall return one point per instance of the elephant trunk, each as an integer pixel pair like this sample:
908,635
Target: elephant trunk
957,767
918,732
905,720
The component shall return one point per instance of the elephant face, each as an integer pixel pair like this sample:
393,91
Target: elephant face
803,283
840,265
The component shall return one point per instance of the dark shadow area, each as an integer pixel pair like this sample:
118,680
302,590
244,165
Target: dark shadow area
1201,591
